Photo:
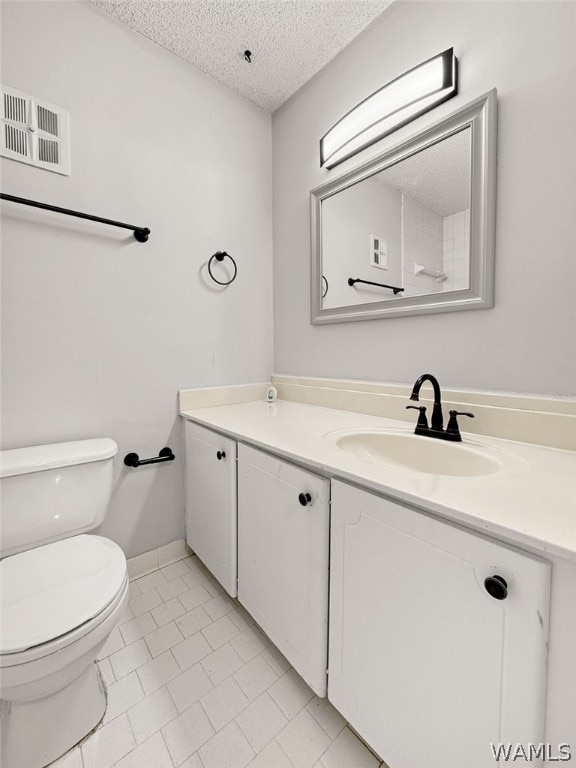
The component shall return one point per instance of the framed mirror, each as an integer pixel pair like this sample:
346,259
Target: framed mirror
412,230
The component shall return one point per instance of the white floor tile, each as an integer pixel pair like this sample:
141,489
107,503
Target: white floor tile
255,677
169,611
127,614
191,651
130,658
192,762
122,695
193,621
241,618
273,756
250,643
154,579
158,672
196,575
195,565
72,759
222,663
187,733
153,753
151,714
220,632
214,587
291,693
304,740
194,597
224,702
277,661
171,589
106,671
330,719
136,628
176,569
228,749
142,603
113,644
163,639
189,687
261,721
348,750
206,689
108,744
195,578
219,606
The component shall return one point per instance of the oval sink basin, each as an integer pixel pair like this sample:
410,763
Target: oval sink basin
421,454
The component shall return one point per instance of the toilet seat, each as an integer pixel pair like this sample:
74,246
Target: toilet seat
59,644
54,594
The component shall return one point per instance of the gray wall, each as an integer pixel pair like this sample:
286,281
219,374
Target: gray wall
99,331
527,342
349,219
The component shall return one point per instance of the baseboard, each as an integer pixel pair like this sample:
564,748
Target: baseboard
157,558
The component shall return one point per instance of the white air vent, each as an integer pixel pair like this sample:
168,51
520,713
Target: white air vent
34,131
15,142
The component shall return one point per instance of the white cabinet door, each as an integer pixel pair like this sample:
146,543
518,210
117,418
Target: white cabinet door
283,558
211,512
426,665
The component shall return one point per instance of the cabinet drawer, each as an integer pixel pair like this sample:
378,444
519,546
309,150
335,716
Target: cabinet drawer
283,558
211,509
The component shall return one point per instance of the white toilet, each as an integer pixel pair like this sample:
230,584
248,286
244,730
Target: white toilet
61,594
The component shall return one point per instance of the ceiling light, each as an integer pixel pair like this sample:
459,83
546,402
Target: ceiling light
392,106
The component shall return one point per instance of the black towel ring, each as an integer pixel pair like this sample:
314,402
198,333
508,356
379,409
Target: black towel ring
219,256
324,287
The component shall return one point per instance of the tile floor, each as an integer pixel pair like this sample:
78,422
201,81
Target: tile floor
193,683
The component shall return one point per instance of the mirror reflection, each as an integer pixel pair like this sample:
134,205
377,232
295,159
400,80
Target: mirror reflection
405,228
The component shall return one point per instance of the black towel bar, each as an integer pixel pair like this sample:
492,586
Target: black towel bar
352,280
140,233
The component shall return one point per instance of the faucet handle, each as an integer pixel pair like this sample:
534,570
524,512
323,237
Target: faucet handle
453,423
422,420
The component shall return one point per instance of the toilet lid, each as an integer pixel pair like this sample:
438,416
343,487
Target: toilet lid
51,590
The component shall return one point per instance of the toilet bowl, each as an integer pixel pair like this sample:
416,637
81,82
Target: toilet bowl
59,603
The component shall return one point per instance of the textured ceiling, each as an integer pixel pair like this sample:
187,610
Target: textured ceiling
290,40
438,177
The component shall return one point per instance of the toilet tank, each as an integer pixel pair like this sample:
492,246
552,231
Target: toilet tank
51,492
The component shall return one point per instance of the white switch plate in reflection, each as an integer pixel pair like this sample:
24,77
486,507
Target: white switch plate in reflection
378,252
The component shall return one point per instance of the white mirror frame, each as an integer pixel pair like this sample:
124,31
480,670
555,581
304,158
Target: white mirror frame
480,117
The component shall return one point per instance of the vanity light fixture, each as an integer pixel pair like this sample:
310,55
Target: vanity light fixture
392,106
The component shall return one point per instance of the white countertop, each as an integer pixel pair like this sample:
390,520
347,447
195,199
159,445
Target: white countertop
531,501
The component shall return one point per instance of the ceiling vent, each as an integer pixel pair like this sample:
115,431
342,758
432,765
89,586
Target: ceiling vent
34,131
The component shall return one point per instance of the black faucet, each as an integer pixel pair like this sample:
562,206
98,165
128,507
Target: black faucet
436,429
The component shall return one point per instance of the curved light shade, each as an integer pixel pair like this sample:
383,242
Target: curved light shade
392,106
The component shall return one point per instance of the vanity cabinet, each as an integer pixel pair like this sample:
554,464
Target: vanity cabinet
426,665
211,510
283,539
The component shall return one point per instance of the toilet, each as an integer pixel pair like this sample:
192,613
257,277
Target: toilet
62,592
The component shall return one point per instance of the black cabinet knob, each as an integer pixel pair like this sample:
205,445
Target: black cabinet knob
496,587
220,455
304,499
